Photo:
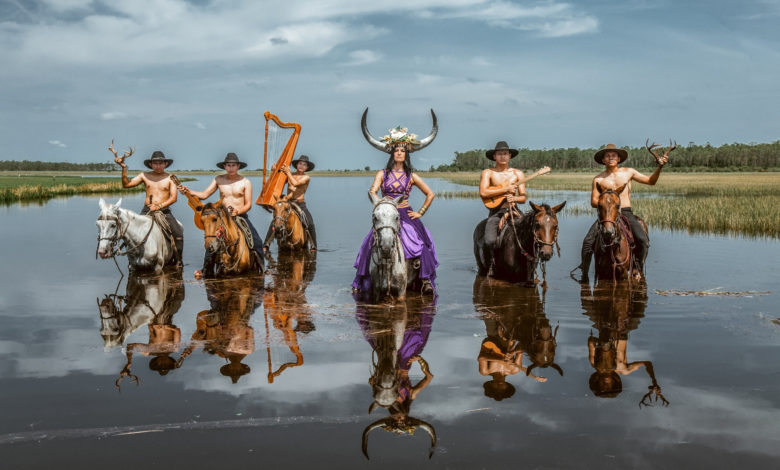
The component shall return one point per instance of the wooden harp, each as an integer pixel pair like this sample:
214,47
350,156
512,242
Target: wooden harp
281,138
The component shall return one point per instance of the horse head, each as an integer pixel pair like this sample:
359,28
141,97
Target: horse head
609,210
545,228
110,225
282,211
386,223
214,216
543,345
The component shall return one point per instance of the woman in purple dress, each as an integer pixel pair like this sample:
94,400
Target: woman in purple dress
397,179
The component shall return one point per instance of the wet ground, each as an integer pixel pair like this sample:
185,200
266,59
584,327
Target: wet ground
283,369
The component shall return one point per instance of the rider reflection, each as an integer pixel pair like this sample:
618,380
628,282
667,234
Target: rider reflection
615,309
513,327
224,329
397,334
150,300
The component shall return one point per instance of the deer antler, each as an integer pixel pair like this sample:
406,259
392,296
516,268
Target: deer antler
117,158
647,400
665,154
126,373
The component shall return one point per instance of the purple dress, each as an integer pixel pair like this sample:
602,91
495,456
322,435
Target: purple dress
415,238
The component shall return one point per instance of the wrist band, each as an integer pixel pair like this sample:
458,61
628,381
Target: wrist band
422,210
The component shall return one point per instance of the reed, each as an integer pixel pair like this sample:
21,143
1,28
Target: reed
41,188
720,203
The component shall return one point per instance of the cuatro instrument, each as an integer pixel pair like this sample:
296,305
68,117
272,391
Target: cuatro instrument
195,203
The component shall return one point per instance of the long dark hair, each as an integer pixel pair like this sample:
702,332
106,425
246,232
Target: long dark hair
407,161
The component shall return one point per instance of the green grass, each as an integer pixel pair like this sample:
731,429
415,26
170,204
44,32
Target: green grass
722,203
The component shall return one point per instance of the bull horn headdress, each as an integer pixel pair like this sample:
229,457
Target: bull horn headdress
399,135
408,427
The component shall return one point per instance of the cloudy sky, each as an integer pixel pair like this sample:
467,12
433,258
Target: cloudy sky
193,78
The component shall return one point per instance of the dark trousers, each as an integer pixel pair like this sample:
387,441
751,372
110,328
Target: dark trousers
491,231
257,242
176,230
640,238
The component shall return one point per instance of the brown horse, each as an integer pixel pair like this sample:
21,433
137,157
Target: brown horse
614,256
288,230
225,243
525,242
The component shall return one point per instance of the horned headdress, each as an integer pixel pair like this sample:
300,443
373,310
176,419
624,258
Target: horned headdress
399,136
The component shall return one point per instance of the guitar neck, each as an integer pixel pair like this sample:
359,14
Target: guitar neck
193,201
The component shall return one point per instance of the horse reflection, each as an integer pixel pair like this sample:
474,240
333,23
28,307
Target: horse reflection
615,310
397,334
515,323
286,304
150,300
224,330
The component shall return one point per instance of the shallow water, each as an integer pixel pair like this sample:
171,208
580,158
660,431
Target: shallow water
276,370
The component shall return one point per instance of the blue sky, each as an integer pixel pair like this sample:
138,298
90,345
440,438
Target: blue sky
193,78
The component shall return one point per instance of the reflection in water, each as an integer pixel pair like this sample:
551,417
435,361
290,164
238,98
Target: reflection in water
515,323
150,300
286,304
397,334
615,308
224,328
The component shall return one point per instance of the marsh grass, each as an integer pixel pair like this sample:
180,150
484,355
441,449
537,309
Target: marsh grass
40,188
721,203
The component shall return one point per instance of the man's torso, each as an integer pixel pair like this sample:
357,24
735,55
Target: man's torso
504,178
614,180
232,192
158,187
300,191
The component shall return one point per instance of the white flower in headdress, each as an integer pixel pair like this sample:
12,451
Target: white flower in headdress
400,135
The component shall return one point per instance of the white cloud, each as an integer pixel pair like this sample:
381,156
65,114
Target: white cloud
65,5
200,125
57,143
112,116
363,57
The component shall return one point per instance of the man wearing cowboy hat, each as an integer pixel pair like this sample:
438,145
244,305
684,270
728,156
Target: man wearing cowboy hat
160,193
297,184
236,194
611,178
502,181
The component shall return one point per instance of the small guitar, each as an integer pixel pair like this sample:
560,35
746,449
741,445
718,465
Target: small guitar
492,202
194,203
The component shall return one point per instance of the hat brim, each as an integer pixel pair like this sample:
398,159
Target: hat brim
148,162
309,165
221,165
599,156
489,154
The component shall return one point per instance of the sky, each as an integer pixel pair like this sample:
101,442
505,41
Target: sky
193,78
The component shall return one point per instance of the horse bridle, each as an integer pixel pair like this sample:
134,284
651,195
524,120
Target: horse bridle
283,219
220,235
120,235
384,262
616,240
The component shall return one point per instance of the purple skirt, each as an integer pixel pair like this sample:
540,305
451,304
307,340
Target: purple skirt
417,243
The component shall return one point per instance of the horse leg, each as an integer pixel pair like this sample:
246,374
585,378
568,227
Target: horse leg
479,247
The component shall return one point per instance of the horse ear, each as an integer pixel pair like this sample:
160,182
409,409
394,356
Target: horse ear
116,206
535,207
102,204
621,188
373,198
558,208
397,200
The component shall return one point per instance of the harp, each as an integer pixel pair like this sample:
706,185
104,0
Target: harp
281,139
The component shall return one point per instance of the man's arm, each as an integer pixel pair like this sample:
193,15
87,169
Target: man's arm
652,179
201,194
293,180
520,197
594,193
130,183
484,183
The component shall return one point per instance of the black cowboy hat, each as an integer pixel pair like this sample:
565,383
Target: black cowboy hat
157,156
234,370
231,158
501,145
303,158
599,156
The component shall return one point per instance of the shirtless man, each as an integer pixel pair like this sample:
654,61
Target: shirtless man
297,184
160,192
236,194
502,181
611,178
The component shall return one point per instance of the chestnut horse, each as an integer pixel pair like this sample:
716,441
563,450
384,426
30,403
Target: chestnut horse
614,257
523,243
225,243
288,230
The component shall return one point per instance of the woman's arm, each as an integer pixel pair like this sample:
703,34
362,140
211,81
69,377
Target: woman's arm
429,195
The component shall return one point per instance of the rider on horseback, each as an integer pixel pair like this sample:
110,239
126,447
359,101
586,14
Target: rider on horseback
235,191
160,192
614,177
297,184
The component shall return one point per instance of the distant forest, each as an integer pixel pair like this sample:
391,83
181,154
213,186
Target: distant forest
27,165
691,157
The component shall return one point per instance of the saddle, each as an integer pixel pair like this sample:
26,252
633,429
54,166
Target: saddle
244,227
502,225
625,227
301,215
159,218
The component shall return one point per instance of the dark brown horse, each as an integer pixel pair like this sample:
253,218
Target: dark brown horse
614,255
225,243
524,242
289,232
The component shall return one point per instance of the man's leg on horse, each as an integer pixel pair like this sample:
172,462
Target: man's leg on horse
491,236
586,253
309,223
257,242
269,236
640,237
178,235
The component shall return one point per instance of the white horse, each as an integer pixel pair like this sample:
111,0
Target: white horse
388,266
144,242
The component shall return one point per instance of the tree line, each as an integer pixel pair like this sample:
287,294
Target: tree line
27,165
691,157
